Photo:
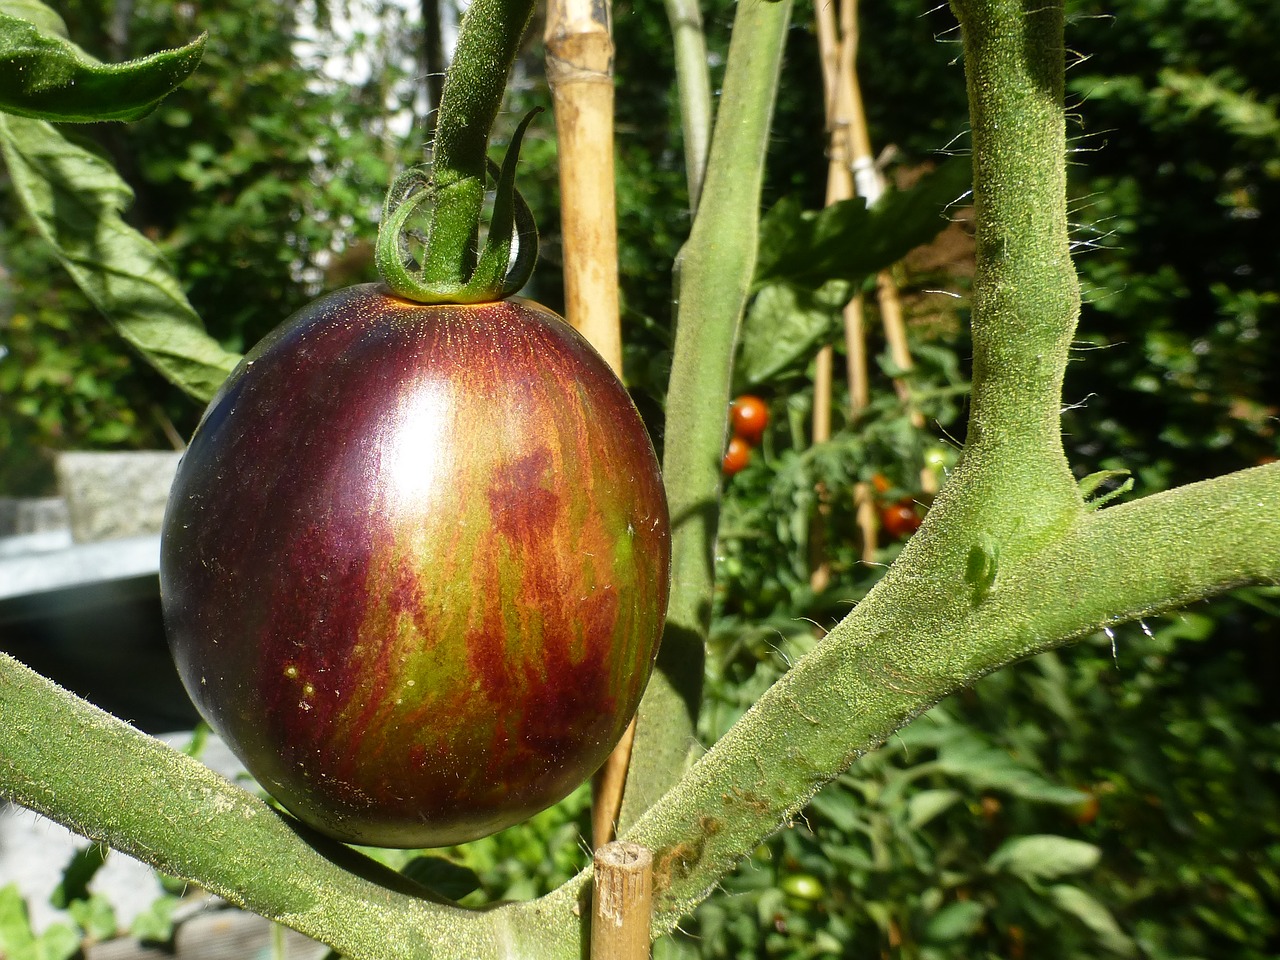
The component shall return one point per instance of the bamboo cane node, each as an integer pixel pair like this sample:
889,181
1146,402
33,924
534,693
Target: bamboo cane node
571,64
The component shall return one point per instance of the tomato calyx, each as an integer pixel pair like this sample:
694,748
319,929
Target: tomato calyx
404,255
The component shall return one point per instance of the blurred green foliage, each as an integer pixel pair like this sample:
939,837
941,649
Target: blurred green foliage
259,181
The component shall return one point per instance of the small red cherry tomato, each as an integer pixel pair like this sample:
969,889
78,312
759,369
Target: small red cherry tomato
736,457
899,520
749,416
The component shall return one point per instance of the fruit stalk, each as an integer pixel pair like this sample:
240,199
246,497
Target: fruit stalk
488,42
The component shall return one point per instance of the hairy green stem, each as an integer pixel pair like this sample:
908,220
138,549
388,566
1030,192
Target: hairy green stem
693,81
896,656
714,280
1025,295
107,781
488,41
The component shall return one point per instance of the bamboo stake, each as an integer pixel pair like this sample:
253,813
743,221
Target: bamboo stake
607,787
840,186
819,562
622,902
870,184
842,55
580,74
859,399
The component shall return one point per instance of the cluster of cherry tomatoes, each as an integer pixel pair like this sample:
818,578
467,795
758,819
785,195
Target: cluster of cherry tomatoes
899,519
748,416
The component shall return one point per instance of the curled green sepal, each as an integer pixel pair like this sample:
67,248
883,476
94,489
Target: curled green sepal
510,250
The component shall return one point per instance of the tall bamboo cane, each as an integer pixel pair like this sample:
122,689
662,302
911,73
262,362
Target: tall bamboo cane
580,73
837,61
869,183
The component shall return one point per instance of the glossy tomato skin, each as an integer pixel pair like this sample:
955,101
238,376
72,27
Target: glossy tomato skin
736,456
749,416
415,565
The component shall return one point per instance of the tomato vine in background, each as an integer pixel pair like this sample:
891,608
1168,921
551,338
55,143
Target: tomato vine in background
748,418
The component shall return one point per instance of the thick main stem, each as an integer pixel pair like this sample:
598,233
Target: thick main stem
715,274
1025,294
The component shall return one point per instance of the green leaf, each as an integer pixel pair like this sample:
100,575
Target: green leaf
85,863
848,241
155,924
838,806
44,17
49,78
1044,856
927,804
75,199
95,916
786,324
965,753
1096,917
15,924
1090,485
955,921
442,876
19,942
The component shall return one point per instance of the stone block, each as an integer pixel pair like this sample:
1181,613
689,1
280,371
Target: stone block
115,495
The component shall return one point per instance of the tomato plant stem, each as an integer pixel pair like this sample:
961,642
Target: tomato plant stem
714,279
488,41
693,80
1025,293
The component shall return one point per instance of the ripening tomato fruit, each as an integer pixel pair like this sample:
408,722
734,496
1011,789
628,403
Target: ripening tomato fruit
415,565
899,520
748,417
736,456
1086,811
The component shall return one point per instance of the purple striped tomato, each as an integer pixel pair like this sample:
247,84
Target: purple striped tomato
415,565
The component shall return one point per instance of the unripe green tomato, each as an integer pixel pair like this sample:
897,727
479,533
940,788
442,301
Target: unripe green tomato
936,458
804,887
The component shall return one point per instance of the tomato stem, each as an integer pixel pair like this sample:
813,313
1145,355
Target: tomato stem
451,268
